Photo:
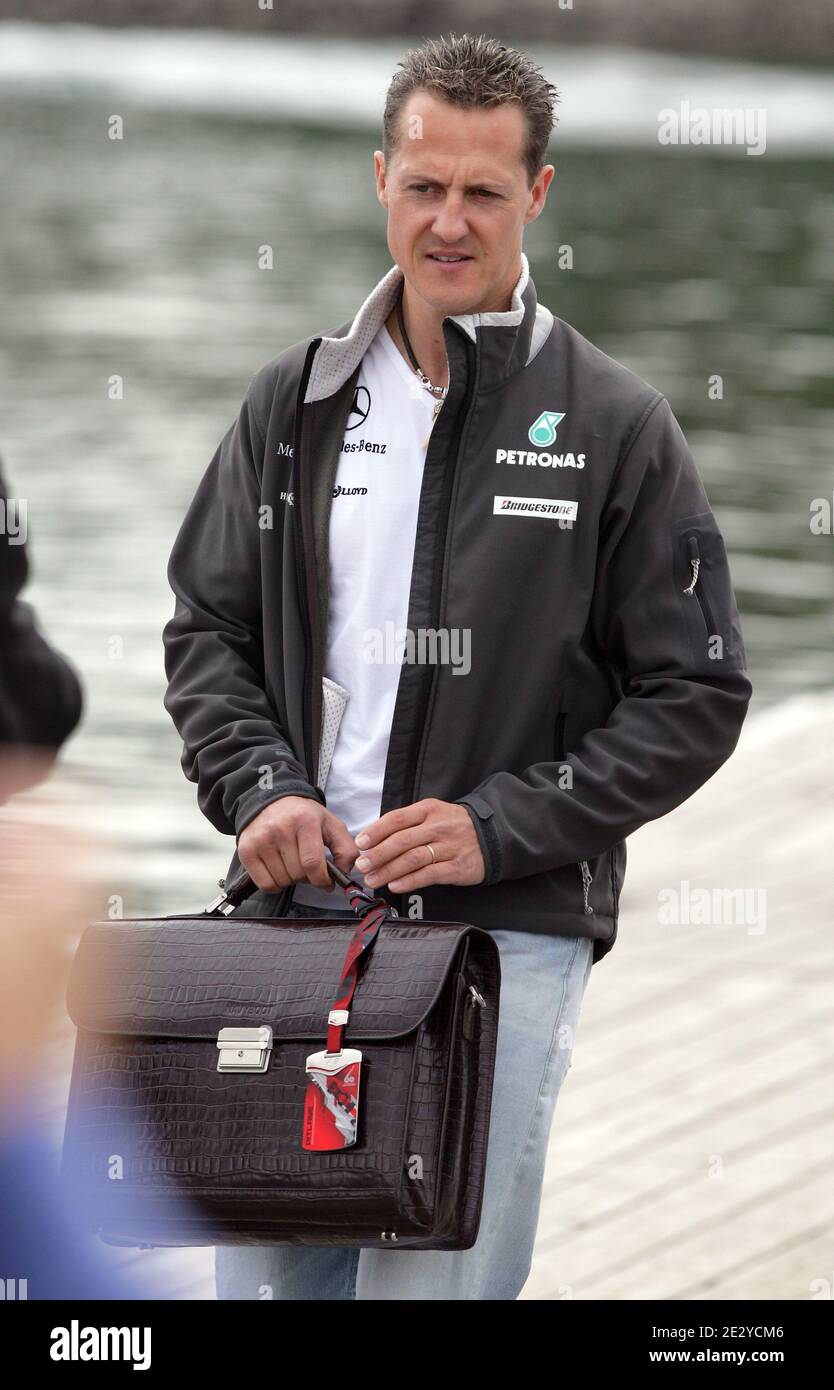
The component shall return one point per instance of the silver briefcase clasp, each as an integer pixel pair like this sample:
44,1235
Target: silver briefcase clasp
244,1049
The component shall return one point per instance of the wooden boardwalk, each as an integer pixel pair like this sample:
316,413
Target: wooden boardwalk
691,1153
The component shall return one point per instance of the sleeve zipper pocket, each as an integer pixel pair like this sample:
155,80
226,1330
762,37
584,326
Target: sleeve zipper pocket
696,589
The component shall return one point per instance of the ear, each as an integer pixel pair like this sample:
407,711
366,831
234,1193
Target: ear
538,192
381,179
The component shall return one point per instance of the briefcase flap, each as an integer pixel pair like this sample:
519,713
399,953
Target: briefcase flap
190,977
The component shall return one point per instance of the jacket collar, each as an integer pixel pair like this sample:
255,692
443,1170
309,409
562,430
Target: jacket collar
507,341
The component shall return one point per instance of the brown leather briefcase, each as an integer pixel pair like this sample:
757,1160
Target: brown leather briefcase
282,1080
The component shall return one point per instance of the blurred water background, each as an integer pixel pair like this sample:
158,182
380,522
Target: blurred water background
139,257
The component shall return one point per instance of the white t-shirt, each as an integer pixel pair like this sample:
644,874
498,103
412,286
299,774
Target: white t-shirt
373,527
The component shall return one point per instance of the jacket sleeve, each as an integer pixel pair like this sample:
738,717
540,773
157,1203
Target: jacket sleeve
677,661
214,659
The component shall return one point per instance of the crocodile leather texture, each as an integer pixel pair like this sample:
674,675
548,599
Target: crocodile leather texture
166,1150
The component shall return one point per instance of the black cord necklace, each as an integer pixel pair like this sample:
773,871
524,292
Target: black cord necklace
440,391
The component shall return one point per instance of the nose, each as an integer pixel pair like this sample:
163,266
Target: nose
450,224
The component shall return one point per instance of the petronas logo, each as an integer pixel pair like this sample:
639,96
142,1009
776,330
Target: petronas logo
543,430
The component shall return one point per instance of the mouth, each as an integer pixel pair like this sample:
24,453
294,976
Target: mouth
448,257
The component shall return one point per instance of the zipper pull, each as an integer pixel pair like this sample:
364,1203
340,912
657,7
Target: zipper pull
476,1001
437,408
587,880
695,563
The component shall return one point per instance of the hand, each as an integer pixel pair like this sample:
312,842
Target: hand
285,844
394,847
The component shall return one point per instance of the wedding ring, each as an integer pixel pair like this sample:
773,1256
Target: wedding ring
432,853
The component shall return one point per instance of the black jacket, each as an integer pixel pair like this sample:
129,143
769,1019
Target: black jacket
605,685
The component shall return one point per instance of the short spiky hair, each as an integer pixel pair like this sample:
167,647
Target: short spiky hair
467,71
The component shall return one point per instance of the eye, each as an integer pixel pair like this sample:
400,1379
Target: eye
487,192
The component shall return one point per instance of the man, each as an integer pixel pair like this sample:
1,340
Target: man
456,462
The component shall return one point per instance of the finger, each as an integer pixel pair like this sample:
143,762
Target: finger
311,858
262,869
441,872
399,819
382,857
286,847
411,862
340,843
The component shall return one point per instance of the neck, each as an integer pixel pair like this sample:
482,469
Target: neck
424,326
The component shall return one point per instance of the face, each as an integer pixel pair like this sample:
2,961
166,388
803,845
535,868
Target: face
456,187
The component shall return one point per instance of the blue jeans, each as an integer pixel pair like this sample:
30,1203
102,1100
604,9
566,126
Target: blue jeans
543,981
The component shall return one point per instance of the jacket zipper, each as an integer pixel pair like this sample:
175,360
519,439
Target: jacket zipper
439,559
703,601
301,568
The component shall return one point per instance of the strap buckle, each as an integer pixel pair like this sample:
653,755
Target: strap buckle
221,906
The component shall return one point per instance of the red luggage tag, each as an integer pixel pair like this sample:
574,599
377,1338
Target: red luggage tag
331,1105
331,1101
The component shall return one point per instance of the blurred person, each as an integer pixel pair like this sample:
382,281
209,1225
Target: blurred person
41,909
40,694
455,460
44,1252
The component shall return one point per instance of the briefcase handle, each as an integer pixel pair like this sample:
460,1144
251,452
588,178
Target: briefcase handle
243,886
